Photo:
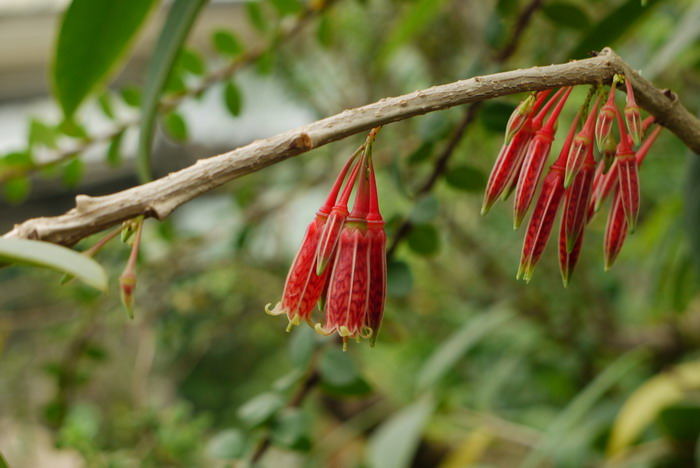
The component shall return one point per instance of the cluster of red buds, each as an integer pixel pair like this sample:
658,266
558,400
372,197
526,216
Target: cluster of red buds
341,264
579,179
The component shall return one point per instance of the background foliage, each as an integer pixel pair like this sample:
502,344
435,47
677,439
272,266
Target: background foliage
471,369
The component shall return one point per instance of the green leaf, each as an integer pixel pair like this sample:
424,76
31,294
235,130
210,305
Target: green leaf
422,153
93,38
291,429
42,134
424,239
466,178
131,95
681,421
192,62
256,16
47,255
227,445
337,367
494,115
105,103
72,129
176,126
114,155
394,443
226,43
17,189
233,98
691,209
399,279
301,346
644,405
73,172
177,25
607,30
3,462
424,209
266,62
324,32
260,409
286,7
566,14
449,352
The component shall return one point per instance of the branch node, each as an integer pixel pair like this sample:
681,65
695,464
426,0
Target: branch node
302,142
84,203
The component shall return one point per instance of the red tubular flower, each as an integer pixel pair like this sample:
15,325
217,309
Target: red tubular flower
628,176
542,220
535,158
633,115
579,148
606,117
304,286
615,231
568,259
377,263
510,158
577,200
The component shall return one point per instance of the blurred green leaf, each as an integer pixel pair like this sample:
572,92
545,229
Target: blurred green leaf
256,16
176,126
114,155
72,128
566,14
395,442
226,43
445,357
399,280
105,104
324,32
93,38
494,115
17,189
691,209
55,257
291,429
337,367
131,95
192,62
3,462
424,239
643,406
425,209
229,444
177,25
607,30
422,153
42,134
233,98
73,172
286,7
302,345
466,178
260,409
681,421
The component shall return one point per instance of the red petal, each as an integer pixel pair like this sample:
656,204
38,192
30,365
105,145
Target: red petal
629,187
615,231
530,174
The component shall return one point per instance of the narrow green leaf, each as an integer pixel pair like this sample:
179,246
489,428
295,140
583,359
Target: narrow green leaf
449,352
175,125
566,14
177,24
226,43
394,443
93,38
73,172
131,95
466,178
233,98
17,189
42,134
55,257
256,16
286,7
114,155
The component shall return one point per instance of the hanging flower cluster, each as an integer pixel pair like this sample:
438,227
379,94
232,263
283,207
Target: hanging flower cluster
577,180
341,264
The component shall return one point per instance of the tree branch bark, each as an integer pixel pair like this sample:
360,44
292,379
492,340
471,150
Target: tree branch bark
159,198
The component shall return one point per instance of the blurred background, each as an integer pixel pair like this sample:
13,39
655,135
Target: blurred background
472,368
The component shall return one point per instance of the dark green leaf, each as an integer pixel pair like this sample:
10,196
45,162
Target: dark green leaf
286,7
175,82
681,421
16,189
256,16
177,24
324,32
233,98
260,409
566,14
399,279
55,257
422,153
394,443
226,43
131,95
494,115
227,445
42,134
610,28
424,239
73,172
466,178
114,155
105,103
176,126
92,40
192,62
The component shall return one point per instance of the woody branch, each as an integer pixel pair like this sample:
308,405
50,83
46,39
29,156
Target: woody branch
159,198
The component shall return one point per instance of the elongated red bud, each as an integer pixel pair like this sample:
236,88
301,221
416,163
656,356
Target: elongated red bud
579,148
568,257
615,231
519,116
535,158
377,264
577,199
628,176
633,115
606,118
